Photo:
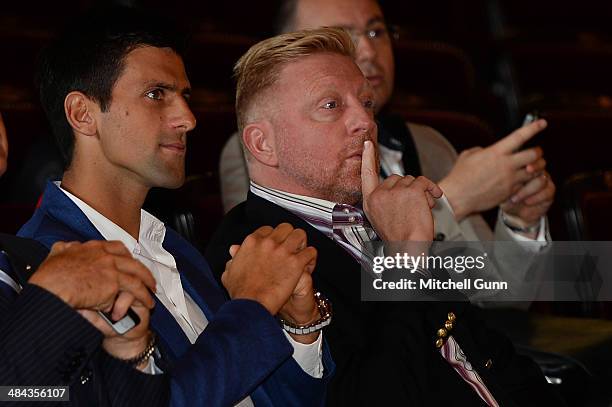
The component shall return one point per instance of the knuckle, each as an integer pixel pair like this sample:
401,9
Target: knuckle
268,244
312,252
300,234
285,225
423,180
57,245
249,240
266,229
90,245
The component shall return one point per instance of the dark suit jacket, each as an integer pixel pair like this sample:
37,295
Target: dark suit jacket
385,352
241,352
45,342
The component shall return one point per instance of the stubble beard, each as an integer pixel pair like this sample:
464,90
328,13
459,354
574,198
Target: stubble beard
341,184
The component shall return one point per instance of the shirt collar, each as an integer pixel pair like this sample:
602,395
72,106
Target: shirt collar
151,233
320,213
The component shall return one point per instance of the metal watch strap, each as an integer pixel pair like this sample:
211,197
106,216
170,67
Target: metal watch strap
325,309
144,355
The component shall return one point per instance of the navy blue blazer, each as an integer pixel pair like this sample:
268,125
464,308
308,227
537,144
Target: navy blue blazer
241,352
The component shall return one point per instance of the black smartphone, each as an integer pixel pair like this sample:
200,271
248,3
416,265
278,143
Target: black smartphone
531,117
129,321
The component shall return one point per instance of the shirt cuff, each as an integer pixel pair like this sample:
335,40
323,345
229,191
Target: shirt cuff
540,239
308,356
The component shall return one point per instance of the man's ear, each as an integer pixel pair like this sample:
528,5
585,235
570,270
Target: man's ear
258,139
79,114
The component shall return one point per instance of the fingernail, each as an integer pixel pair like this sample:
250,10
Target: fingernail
514,199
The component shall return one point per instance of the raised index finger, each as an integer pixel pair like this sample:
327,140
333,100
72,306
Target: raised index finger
369,169
516,139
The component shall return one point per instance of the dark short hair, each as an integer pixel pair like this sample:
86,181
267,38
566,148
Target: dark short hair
89,57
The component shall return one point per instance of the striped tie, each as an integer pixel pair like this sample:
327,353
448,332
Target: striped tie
9,288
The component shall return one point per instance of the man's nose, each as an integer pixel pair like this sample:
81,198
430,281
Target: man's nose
361,121
366,50
183,118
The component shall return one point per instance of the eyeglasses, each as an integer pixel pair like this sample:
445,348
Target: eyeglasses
378,33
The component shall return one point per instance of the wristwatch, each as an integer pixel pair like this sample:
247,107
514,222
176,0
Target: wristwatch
325,309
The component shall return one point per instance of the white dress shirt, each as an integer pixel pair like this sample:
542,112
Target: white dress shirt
148,250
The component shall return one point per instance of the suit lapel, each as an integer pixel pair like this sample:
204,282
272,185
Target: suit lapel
78,227
196,277
169,331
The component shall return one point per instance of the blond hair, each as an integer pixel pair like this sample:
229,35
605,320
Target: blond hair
260,67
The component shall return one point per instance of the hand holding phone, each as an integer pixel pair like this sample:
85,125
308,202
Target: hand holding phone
129,321
531,117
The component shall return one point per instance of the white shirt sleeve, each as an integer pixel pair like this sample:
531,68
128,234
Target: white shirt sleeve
541,238
309,357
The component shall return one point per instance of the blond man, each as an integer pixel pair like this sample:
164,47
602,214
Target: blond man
305,115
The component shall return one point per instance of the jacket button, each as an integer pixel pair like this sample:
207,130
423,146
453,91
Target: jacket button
86,376
440,237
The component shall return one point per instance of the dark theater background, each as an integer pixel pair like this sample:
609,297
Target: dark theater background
470,68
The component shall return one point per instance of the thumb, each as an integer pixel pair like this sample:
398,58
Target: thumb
58,247
369,170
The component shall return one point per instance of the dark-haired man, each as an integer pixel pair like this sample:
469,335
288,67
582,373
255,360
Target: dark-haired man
44,340
115,91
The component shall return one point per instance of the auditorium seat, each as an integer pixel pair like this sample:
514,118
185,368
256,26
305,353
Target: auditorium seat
434,71
19,54
26,126
575,141
462,130
553,20
454,21
14,216
586,68
211,57
587,203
